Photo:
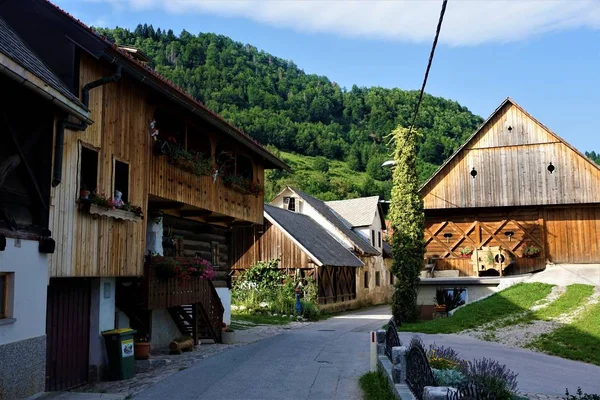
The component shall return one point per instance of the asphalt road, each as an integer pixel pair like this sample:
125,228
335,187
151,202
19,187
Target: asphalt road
324,361
321,361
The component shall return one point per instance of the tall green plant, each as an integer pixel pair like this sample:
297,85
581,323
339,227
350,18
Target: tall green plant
407,221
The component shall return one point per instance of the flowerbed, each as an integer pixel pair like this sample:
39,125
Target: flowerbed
182,268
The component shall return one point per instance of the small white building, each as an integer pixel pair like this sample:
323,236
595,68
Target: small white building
358,225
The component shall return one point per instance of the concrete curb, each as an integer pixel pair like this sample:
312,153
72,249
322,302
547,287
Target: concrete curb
401,392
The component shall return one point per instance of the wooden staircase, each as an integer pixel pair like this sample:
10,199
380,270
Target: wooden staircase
193,321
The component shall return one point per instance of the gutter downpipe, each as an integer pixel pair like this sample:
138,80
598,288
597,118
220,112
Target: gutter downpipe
81,126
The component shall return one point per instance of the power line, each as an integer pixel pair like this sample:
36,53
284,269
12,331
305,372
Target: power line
420,98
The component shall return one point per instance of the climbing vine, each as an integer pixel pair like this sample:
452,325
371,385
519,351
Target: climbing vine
407,223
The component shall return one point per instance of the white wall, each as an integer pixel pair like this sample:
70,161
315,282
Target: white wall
375,226
164,329
27,290
225,296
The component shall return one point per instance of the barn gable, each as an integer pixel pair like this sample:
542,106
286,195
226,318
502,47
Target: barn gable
518,162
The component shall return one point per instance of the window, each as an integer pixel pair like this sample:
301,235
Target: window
244,167
3,295
451,297
373,237
377,278
121,180
391,278
88,179
379,238
366,280
214,249
291,203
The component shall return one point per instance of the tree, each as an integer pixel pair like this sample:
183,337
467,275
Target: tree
592,155
407,222
321,165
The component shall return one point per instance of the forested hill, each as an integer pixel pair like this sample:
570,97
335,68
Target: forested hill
279,104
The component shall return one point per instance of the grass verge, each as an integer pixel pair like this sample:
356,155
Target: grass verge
261,319
579,340
516,299
375,386
575,296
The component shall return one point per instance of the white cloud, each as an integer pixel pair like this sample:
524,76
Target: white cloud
467,22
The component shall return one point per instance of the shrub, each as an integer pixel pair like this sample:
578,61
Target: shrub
310,311
491,377
265,286
442,358
448,377
580,395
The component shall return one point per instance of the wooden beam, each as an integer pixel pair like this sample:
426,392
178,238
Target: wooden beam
241,224
30,172
195,213
223,218
165,205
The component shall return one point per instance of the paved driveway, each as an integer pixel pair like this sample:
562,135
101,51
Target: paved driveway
320,361
538,373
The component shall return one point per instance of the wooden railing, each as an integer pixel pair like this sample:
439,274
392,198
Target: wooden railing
195,291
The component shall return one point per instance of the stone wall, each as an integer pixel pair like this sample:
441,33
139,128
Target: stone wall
373,293
23,371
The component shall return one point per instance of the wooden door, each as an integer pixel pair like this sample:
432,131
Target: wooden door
68,333
573,235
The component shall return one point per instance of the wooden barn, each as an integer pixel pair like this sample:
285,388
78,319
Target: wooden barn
304,248
513,198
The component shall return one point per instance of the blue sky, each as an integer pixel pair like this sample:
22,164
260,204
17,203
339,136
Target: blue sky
543,54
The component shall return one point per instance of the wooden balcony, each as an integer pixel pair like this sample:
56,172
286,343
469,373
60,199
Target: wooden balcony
170,182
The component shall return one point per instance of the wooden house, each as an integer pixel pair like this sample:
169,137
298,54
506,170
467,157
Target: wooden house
186,178
517,196
304,248
370,281
33,100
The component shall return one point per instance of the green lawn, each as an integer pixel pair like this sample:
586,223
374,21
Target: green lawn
579,340
516,299
375,386
575,296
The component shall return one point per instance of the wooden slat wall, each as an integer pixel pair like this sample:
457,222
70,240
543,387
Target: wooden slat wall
573,234
485,228
273,243
104,246
170,182
512,169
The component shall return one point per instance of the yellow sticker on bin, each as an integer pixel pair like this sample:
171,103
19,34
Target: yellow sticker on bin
118,331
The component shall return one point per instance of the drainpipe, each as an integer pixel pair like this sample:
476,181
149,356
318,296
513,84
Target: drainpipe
81,126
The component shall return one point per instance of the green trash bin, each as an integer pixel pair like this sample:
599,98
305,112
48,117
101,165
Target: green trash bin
119,348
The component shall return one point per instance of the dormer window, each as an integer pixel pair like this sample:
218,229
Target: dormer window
289,203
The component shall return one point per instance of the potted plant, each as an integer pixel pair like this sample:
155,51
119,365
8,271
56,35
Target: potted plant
466,252
530,252
141,348
439,301
228,336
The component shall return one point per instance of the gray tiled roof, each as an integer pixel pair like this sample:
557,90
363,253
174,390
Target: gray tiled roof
358,212
13,47
313,238
339,222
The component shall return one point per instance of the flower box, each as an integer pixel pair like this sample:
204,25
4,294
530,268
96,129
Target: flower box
465,255
99,211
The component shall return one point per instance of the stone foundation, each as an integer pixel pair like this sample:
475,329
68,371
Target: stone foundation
23,368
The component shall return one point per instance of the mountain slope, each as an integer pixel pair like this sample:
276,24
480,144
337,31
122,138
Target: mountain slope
278,104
